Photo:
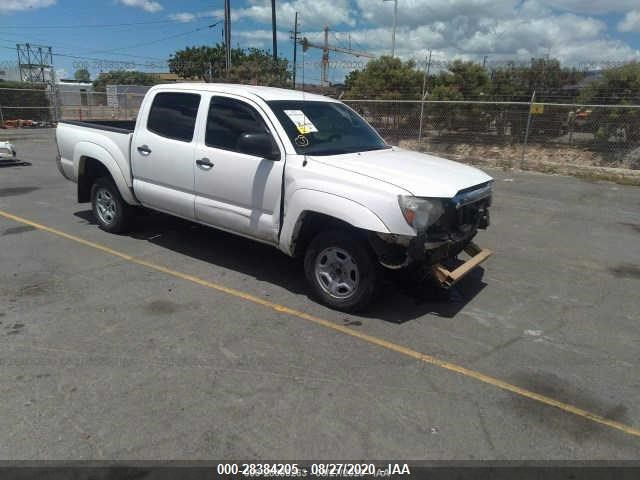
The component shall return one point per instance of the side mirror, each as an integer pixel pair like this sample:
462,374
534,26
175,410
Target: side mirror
258,144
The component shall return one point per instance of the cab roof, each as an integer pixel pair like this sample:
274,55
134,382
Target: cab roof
265,93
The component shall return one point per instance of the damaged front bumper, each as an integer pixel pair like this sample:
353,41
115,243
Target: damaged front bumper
451,235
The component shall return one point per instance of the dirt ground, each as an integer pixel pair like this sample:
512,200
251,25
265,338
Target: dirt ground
621,167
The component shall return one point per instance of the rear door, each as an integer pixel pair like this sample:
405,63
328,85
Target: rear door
235,190
162,153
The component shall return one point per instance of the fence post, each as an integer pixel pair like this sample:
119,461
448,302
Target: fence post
1,118
572,123
421,121
54,102
424,95
526,133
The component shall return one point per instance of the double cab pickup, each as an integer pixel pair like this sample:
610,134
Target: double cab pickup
301,172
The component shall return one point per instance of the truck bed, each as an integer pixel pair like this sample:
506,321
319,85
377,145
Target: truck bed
110,138
119,126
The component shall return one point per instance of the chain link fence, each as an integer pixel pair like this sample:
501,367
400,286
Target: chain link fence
27,105
36,105
120,105
509,134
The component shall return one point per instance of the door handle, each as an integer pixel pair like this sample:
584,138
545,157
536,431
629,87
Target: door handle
144,150
204,162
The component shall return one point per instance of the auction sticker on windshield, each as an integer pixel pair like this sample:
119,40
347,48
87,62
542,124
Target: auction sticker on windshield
301,121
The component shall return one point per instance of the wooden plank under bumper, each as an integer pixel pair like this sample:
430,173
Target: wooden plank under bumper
448,278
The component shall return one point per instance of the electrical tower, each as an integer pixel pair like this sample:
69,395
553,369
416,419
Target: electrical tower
326,48
35,63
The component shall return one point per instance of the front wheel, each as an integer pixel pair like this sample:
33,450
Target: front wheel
110,210
341,271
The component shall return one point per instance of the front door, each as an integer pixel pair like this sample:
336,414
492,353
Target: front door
236,190
162,154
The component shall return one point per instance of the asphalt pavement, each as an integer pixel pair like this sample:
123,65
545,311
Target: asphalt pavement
177,341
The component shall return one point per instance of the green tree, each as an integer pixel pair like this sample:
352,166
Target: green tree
544,75
122,77
258,67
201,63
247,66
461,80
82,75
385,78
617,86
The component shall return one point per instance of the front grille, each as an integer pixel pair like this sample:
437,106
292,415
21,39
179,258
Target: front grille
460,220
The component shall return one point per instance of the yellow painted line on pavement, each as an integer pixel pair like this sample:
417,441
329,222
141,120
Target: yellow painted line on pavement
481,377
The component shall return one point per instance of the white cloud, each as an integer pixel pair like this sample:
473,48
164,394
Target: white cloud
592,6
260,38
529,30
420,12
8,6
503,30
311,13
631,22
184,17
150,6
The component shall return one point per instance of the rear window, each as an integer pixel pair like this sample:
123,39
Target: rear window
173,115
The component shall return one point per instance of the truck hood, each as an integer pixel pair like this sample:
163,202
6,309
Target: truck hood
420,174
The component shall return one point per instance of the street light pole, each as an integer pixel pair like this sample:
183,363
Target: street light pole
273,28
395,23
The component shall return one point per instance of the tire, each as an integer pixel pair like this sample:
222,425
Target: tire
341,271
111,212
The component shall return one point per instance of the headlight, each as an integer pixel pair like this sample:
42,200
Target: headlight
421,213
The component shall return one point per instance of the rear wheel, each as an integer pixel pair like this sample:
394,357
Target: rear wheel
341,271
111,212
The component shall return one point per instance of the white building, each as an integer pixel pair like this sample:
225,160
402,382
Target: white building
74,93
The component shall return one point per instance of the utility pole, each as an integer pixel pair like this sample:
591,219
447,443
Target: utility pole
273,28
324,77
294,36
395,23
227,34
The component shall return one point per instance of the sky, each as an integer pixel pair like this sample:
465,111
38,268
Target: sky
141,34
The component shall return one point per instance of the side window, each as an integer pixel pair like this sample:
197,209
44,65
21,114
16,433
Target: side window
229,119
173,115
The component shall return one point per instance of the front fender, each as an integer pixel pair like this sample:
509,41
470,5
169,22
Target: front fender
306,200
92,150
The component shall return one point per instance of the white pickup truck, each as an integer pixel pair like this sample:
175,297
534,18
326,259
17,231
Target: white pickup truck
301,172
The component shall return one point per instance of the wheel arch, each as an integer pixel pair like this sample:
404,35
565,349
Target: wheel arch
310,211
92,162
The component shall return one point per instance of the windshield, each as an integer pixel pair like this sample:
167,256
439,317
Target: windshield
325,128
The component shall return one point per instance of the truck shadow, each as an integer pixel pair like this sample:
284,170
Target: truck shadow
400,301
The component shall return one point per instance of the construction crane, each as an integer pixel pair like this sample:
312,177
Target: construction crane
326,48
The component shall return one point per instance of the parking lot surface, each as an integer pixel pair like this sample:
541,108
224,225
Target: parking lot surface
177,341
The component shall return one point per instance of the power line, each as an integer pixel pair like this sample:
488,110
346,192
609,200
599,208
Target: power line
67,46
158,40
88,25
80,57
